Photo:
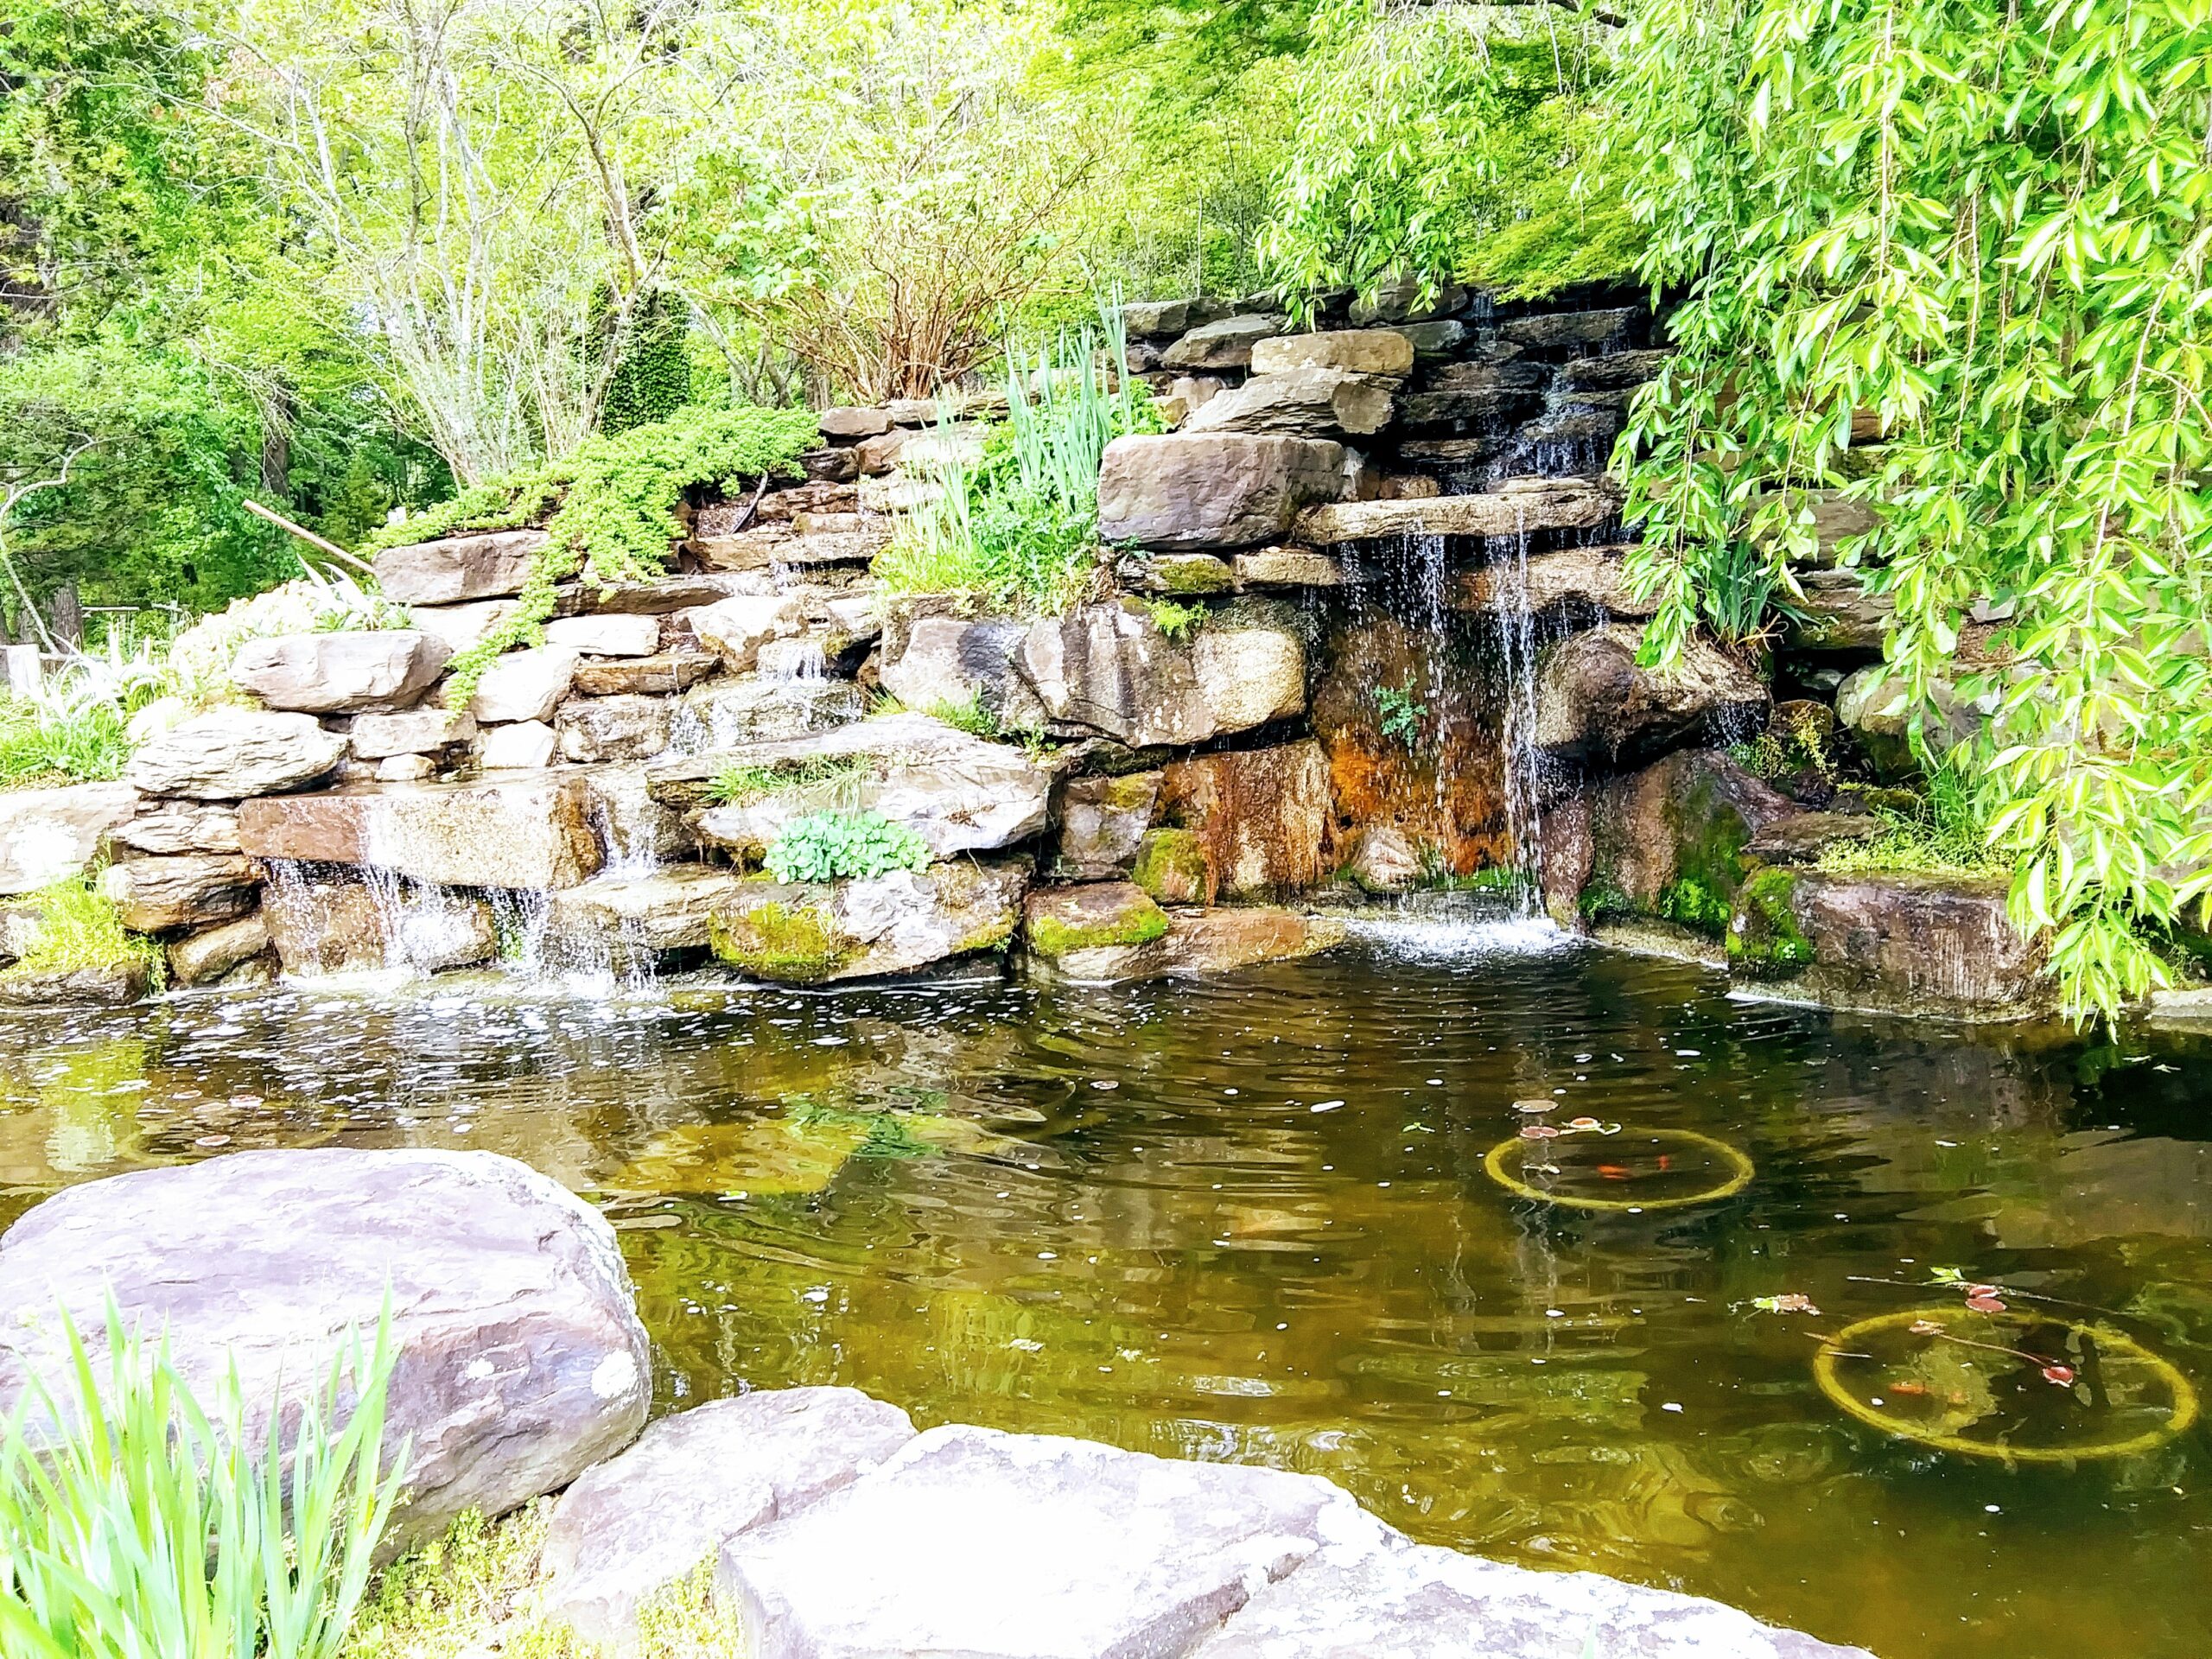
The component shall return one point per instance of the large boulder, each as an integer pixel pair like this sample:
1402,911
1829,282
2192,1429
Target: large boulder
1419,1602
50,835
1108,670
520,1360
205,956
667,909
1261,814
107,985
592,729
634,1525
1308,402
419,731
1355,351
231,754
489,565
1673,840
959,793
158,895
1214,489
530,830
524,685
724,714
1226,343
934,661
982,1543
1892,944
176,827
340,673
1594,702
735,629
809,934
320,924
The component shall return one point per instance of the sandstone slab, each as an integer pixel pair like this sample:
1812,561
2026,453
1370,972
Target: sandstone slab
849,423
419,731
462,626
993,1546
957,792
1547,331
1353,351
207,955
805,934
1309,402
935,661
1285,567
1206,490
666,911
488,565
1594,702
519,745
177,827
1102,820
660,675
340,673
695,1481
1224,344
230,754
1108,670
735,628
112,985
530,830
1587,579
724,714
607,634
159,894
662,596
1551,503
520,1358
592,729
50,834
524,685
1415,1602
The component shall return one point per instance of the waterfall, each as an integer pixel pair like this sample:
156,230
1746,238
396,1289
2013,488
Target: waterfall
1516,646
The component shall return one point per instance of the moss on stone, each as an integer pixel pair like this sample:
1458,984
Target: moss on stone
1763,938
791,944
1175,867
1602,898
1055,935
1693,904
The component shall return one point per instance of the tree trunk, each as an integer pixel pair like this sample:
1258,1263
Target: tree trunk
65,617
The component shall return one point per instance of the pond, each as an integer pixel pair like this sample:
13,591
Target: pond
1259,1219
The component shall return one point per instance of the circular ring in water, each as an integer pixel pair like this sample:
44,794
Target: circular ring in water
1734,1174
2112,1346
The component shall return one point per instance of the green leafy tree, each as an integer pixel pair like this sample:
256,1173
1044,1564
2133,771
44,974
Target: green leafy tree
1978,232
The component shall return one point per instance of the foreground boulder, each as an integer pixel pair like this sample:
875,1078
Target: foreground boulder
340,673
533,830
692,1482
50,835
157,895
1594,702
108,985
796,933
1114,932
231,754
666,911
520,1358
1207,490
489,565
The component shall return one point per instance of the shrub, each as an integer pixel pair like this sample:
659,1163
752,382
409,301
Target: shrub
76,729
150,1527
826,846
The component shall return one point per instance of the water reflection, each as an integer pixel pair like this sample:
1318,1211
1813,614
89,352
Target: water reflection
1250,1221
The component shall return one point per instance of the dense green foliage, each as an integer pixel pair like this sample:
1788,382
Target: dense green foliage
1019,527
157,1526
832,846
1983,231
78,929
608,508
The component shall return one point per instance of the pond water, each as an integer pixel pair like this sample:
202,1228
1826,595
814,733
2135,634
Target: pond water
1257,1220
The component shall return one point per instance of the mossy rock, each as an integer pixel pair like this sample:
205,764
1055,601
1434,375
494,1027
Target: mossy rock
1763,938
790,944
1693,904
1063,921
1175,868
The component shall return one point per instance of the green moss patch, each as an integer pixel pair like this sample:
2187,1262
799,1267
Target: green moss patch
792,944
1763,938
1131,925
1175,867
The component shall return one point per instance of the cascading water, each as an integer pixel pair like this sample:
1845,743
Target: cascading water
1515,622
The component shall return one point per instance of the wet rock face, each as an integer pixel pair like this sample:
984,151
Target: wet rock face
158,895
1261,814
459,568
1440,784
724,714
322,924
207,957
1594,702
1579,580
666,911
1098,932
1671,841
809,934
50,835
113,985
592,729
1208,490
933,662
735,629
340,673
661,675
1911,944
521,1361
530,830
1103,820
231,754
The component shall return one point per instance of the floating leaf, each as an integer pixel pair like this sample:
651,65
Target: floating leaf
1926,1328
1791,1302
2062,1375
1532,1107
1538,1132
1985,1304
1583,1123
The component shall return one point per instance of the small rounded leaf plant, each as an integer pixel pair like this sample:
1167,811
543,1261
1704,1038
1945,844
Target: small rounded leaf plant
826,846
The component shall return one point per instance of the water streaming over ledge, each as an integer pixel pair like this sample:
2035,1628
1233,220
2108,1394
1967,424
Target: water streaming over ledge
1249,1219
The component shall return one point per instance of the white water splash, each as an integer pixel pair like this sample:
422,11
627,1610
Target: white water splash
1414,941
